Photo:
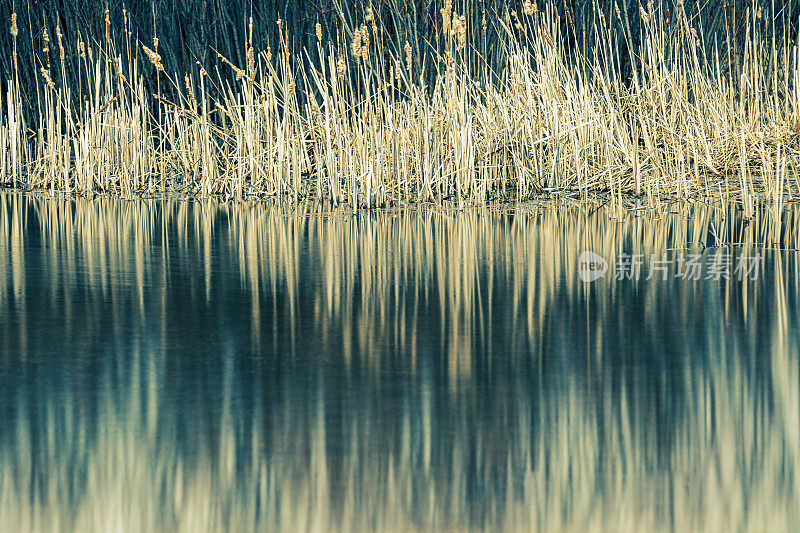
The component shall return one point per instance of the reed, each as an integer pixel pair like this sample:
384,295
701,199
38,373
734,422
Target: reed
370,119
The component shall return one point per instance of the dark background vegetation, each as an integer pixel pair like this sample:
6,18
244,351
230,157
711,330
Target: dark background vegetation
192,31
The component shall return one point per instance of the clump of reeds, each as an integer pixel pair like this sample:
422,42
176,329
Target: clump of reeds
358,122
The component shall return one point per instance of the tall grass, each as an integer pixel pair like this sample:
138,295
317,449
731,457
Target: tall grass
363,121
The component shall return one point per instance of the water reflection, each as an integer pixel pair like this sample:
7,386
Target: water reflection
178,366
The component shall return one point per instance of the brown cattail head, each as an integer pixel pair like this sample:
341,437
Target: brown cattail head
408,57
616,9
527,6
319,31
154,58
14,29
461,33
251,62
60,42
357,43
81,48
341,67
643,13
365,41
48,80
446,11
108,27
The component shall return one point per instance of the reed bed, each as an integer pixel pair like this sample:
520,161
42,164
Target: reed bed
355,122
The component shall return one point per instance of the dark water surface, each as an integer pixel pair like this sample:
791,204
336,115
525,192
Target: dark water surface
183,366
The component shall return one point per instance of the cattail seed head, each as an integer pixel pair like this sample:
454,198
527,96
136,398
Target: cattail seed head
408,57
357,43
46,39
108,27
14,29
251,62
319,31
341,67
154,58
462,33
60,43
48,80
446,11
81,49
643,13
527,6
365,41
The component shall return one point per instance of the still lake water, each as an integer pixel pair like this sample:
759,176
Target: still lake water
186,366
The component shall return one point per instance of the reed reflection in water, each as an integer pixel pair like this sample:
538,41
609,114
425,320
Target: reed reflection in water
180,366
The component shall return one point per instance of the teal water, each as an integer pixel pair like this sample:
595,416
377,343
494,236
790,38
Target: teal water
186,366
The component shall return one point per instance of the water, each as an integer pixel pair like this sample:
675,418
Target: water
178,366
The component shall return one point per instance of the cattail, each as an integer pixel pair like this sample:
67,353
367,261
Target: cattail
154,58
341,67
251,62
408,57
60,42
369,14
616,9
365,40
290,90
695,37
319,31
643,13
483,21
527,6
14,30
398,71
46,75
46,38
446,11
190,90
462,33
108,27
356,43
81,49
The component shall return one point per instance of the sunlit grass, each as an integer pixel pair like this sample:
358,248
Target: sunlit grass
552,119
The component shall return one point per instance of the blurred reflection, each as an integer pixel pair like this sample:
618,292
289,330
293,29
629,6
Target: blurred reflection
186,366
